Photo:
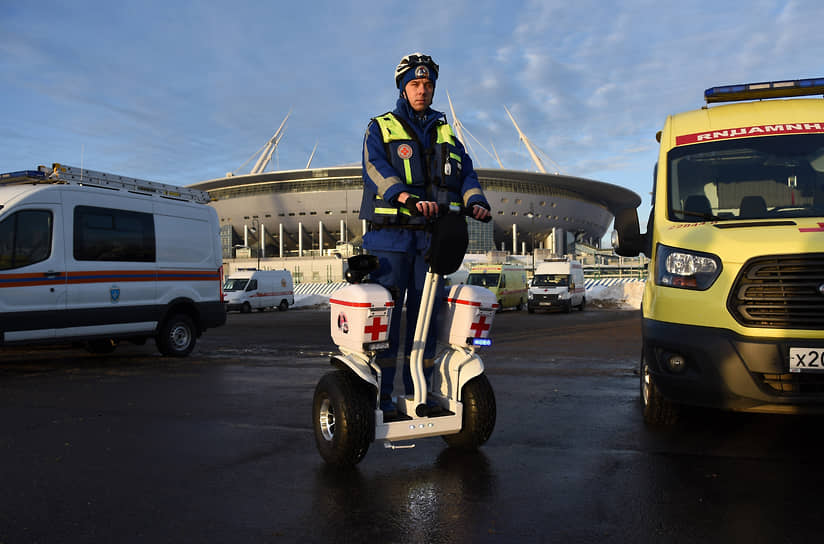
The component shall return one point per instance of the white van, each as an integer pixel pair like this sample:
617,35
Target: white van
98,258
246,290
557,283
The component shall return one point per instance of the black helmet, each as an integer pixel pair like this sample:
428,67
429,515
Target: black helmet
411,61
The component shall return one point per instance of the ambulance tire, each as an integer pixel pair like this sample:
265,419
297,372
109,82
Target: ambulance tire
583,303
656,409
283,306
343,418
479,413
246,308
520,306
177,336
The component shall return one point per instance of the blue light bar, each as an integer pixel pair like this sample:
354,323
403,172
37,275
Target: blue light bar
22,175
767,89
481,342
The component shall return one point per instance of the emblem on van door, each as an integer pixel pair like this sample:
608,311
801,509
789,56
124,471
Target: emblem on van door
115,293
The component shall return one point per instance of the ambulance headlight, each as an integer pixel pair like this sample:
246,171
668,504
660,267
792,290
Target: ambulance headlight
686,269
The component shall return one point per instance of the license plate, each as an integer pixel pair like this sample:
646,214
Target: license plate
806,359
545,304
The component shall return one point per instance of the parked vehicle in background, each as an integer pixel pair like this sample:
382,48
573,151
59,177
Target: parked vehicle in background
557,284
248,290
506,281
733,311
98,258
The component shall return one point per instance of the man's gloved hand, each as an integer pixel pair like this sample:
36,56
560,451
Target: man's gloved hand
426,208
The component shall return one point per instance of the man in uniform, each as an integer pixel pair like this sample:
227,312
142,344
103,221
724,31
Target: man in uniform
412,164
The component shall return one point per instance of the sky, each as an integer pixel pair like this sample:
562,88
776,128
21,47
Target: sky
186,91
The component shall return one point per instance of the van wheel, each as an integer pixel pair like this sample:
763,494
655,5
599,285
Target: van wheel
583,303
176,336
283,306
520,307
479,413
500,307
567,307
246,308
656,409
343,418
105,345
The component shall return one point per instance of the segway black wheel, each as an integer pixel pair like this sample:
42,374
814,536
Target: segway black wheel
343,418
479,414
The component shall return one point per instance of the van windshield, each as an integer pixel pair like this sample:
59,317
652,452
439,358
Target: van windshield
550,280
768,177
483,280
236,284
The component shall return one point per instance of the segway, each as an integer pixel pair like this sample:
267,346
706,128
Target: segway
345,413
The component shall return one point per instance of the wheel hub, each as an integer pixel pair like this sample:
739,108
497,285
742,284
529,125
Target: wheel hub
327,420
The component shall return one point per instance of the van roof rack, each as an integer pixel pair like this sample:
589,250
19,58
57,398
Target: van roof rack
60,173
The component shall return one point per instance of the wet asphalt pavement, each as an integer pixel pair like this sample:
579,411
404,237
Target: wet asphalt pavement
218,447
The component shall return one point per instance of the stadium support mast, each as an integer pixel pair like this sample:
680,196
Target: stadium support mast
528,144
269,148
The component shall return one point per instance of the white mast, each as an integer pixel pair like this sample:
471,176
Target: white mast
528,144
269,148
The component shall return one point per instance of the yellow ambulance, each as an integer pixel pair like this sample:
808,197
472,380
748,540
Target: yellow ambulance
506,281
733,310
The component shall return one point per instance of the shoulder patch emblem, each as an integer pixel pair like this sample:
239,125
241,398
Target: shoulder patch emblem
405,151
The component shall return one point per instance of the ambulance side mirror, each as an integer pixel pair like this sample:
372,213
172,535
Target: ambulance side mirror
627,240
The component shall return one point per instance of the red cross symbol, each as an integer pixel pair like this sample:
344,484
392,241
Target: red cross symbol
480,327
819,229
405,151
376,328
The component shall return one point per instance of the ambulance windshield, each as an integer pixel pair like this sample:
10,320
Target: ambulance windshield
769,177
235,284
550,280
483,280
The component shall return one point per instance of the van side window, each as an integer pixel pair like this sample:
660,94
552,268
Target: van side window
503,281
25,238
252,285
103,234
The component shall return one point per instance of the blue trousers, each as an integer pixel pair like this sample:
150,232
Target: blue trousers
402,271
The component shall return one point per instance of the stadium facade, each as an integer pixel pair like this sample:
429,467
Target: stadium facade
314,211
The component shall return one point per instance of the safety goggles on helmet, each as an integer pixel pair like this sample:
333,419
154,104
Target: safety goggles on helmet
411,61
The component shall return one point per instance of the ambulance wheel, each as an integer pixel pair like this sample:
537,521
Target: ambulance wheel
567,307
246,308
343,418
283,306
177,336
500,307
520,307
583,303
479,414
656,409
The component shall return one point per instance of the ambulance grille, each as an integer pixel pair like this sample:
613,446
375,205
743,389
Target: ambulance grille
780,292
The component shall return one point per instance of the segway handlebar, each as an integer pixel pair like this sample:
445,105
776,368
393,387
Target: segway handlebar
411,204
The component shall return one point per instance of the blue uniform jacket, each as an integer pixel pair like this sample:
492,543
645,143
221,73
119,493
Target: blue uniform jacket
382,180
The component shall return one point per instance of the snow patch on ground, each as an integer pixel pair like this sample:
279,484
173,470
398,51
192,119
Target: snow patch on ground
625,296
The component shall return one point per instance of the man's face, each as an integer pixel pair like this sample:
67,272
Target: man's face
419,93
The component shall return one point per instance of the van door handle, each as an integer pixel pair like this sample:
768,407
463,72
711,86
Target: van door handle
51,274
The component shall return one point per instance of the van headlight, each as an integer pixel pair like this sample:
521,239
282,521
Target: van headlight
686,269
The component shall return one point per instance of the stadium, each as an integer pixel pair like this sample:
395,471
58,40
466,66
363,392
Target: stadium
314,211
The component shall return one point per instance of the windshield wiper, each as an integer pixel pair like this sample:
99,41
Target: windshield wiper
702,215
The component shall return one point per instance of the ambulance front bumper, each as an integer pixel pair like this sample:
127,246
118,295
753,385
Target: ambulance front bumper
729,371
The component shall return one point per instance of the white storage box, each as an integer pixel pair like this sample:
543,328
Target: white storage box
360,315
467,314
